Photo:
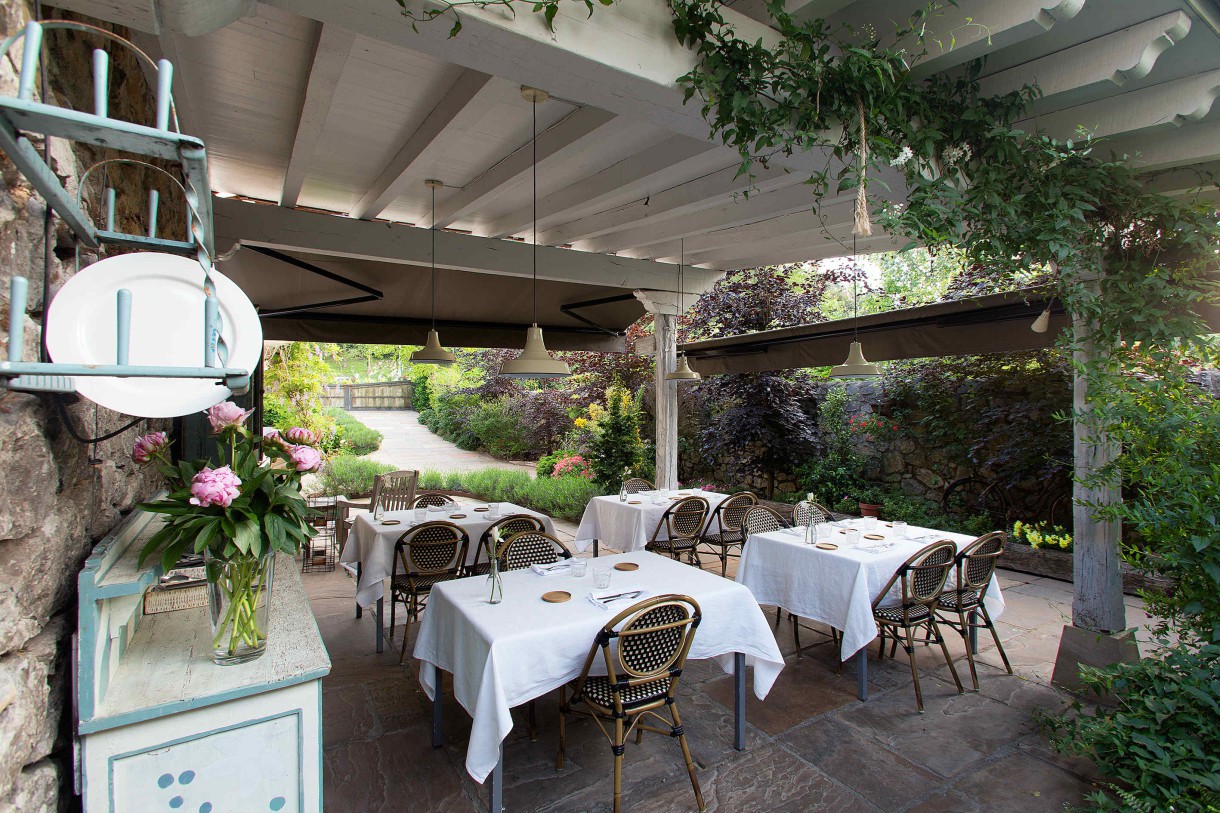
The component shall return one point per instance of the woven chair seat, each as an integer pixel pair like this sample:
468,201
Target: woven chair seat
597,689
963,599
894,613
401,583
674,544
725,538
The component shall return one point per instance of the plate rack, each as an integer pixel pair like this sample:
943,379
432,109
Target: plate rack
22,113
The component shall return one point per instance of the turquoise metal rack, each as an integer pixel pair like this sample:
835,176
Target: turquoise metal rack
23,113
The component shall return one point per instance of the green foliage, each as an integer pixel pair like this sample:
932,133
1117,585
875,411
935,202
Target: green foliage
293,377
834,473
353,436
421,390
1161,744
617,450
1038,535
350,476
546,463
499,429
562,497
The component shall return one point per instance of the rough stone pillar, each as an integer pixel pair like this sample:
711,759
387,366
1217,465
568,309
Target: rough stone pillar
664,310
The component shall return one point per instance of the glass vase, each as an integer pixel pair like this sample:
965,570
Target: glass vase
495,586
239,599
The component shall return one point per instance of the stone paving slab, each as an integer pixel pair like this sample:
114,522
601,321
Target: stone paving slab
408,444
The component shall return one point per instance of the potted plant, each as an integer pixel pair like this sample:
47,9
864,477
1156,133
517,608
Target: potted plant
869,500
238,516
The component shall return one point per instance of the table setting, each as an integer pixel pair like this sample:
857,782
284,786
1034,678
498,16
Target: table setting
626,522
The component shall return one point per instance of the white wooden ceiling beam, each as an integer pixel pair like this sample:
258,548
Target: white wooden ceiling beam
458,104
680,155
580,125
823,250
333,235
1169,104
1192,144
334,45
1093,68
832,212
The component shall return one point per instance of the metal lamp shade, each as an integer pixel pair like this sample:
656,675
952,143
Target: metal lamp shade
534,361
682,372
856,366
432,352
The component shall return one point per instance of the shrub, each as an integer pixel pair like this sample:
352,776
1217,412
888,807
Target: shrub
617,449
350,475
574,466
562,497
835,473
354,437
546,463
499,430
1039,535
1162,742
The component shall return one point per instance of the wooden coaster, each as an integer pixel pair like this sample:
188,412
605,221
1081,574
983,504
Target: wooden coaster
633,502
481,509
457,516
873,536
391,522
827,546
842,532
557,596
626,566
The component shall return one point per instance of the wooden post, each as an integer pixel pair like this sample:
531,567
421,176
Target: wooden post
663,307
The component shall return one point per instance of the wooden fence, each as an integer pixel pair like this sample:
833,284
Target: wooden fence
382,395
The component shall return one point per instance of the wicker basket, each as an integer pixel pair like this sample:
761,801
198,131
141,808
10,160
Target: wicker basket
164,600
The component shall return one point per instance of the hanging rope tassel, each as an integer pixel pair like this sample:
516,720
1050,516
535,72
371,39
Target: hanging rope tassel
864,226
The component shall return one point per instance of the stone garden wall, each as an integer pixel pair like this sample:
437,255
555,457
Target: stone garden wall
57,496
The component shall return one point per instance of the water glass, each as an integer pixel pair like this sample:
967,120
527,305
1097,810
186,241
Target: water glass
601,577
851,539
421,514
900,529
870,524
579,568
493,509
658,497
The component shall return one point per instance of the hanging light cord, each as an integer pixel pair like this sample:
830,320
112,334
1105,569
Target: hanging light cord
433,230
534,172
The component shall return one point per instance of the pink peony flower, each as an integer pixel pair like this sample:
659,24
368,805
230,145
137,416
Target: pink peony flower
226,414
273,438
301,436
215,487
148,447
306,458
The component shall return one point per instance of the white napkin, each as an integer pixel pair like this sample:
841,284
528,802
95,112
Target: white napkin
553,569
598,597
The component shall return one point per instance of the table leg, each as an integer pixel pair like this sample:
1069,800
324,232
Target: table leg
595,548
739,701
972,619
380,628
495,786
862,673
438,737
359,609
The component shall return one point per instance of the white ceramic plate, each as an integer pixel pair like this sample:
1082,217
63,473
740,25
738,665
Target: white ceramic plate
166,330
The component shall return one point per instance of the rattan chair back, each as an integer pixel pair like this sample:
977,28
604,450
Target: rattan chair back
394,491
809,513
685,518
732,512
922,577
432,498
532,548
637,484
432,549
760,519
506,527
977,562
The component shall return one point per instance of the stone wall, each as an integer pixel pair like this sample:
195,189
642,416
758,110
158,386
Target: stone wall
58,496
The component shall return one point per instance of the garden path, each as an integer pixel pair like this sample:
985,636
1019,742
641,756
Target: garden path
409,444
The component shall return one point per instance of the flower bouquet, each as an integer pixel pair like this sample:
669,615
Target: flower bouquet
238,516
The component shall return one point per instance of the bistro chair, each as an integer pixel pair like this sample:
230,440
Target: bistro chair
761,520
919,583
343,527
961,605
532,548
644,650
429,553
394,490
637,484
679,529
507,527
319,553
432,498
809,513
728,517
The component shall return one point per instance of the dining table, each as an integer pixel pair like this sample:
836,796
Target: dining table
626,522
504,655
370,544
837,583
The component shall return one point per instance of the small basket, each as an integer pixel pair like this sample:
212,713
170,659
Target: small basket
165,600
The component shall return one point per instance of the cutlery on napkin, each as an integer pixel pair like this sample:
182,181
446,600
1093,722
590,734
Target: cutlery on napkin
604,601
551,569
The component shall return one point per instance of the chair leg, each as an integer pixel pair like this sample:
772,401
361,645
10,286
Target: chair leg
392,603
880,642
996,636
406,629
690,763
618,764
796,635
910,648
779,616
563,730
940,639
639,735
965,631
724,562
533,718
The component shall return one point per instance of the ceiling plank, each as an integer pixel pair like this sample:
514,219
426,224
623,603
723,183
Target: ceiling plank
333,47
457,103
1192,144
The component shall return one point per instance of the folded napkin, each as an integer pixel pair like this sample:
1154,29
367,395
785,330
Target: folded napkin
620,596
553,569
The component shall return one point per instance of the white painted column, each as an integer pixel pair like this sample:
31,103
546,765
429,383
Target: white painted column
663,307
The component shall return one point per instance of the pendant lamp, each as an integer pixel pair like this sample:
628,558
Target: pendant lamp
682,371
534,361
432,352
856,365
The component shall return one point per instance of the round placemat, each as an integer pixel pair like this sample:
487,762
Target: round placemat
557,596
873,536
391,522
481,509
457,516
633,502
626,566
827,546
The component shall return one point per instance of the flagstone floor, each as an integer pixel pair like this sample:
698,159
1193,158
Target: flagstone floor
812,745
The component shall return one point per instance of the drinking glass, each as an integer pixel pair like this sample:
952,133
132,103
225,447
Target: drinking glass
658,497
601,577
421,514
900,529
579,568
870,524
493,509
851,539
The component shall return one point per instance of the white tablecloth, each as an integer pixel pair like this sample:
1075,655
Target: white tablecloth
836,587
503,655
372,544
626,527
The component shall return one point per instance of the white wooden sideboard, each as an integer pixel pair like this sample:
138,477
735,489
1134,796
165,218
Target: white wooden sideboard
162,728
